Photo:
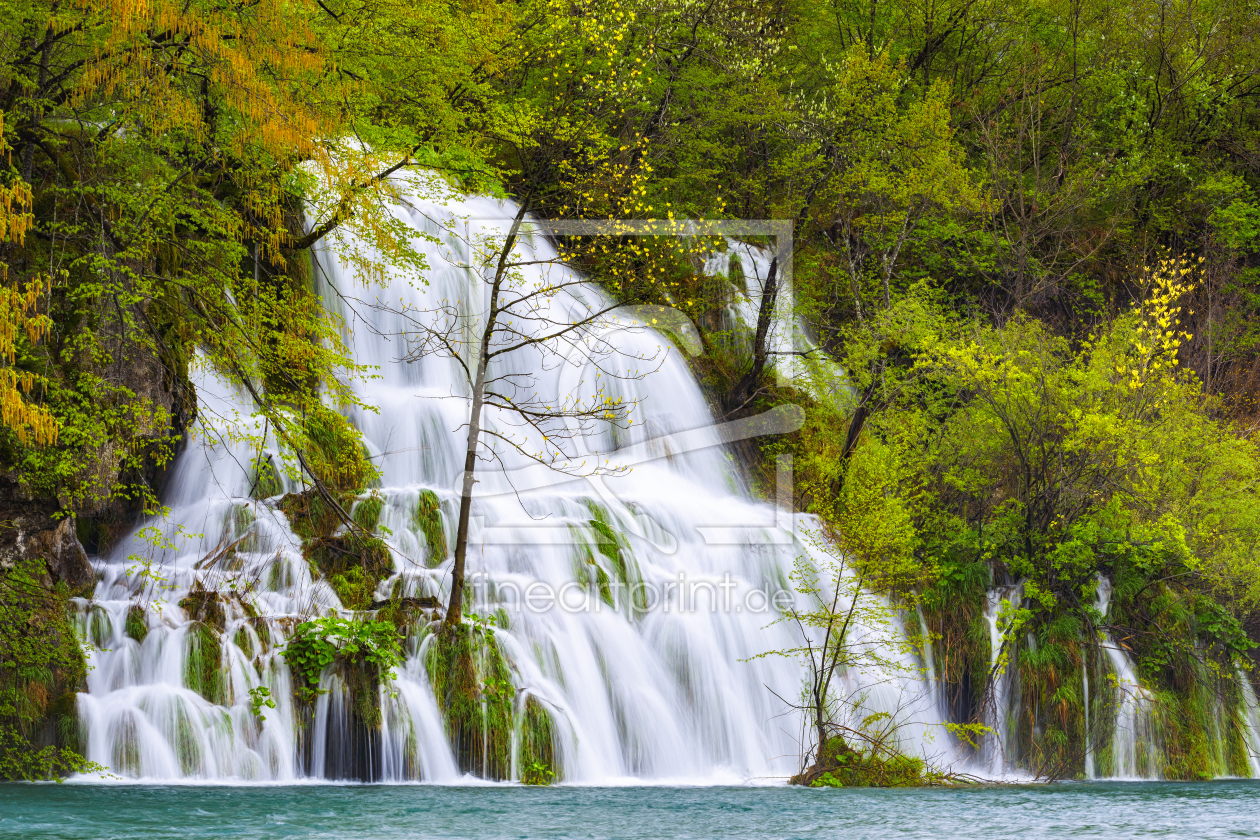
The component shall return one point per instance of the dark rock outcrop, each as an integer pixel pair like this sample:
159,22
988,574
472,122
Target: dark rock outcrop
31,530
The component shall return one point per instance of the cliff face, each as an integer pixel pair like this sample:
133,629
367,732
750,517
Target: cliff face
32,535
123,472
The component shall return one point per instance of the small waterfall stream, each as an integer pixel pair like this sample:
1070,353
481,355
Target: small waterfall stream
1134,745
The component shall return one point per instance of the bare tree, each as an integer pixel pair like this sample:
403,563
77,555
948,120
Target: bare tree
549,311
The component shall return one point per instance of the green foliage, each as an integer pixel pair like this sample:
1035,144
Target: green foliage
21,761
371,646
259,699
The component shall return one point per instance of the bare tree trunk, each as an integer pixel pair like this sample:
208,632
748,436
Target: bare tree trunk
455,607
750,383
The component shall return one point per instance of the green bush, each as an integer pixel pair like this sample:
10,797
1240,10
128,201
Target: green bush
368,651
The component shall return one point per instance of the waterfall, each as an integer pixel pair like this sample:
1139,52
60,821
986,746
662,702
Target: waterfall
997,750
1090,772
1251,722
1135,751
673,693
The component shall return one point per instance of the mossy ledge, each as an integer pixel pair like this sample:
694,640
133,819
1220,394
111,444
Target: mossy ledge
473,685
427,519
203,662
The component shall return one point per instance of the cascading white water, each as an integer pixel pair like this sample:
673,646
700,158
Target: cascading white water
1001,706
1134,746
1251,722
667,694
1134,750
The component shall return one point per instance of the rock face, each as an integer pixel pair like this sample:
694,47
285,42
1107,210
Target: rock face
30,532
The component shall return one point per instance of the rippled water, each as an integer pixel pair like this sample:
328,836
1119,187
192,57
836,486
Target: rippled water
1112,810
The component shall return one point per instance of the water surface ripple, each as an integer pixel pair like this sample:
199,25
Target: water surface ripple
1106,809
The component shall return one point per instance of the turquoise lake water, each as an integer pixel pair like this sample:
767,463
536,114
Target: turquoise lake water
1107,809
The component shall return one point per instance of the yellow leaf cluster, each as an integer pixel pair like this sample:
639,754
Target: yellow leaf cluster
19,314
1158,335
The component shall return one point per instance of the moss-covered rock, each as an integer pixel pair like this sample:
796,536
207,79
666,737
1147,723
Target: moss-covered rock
353,565
41,660
137,623
366,512
474,690
204,606
427,519
335,452
840,765
203,662
309,515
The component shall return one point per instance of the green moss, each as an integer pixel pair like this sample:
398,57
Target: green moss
353,588
137,622
204,606
428,521
353,565
588,572
839,765
309,515
99,628
263,631
335,451
537,758
614,548
367,512
473,686
244,642
203,662
266,481
186,744
363,684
